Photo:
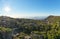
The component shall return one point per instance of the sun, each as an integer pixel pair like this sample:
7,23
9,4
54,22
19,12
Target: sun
7,9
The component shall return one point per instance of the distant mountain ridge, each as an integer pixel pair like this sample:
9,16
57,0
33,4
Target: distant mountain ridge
38,17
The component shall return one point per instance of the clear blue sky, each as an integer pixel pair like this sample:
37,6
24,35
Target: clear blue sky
23,8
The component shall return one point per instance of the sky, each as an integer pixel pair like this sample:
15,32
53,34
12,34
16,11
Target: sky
29,8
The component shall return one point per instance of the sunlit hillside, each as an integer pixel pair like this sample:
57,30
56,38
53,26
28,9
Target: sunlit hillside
22,28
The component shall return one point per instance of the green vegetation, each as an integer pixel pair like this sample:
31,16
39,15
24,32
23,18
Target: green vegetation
48,28
5,29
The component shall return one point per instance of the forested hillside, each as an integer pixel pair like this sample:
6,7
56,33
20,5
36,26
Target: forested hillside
22,28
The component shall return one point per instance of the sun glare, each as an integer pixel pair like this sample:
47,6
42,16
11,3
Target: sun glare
7,9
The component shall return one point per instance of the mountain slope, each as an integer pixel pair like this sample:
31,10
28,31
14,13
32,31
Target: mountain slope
53,19
16,22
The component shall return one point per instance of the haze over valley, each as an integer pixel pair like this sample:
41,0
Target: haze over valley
29,19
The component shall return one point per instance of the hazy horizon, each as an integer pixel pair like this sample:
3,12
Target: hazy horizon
29,8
